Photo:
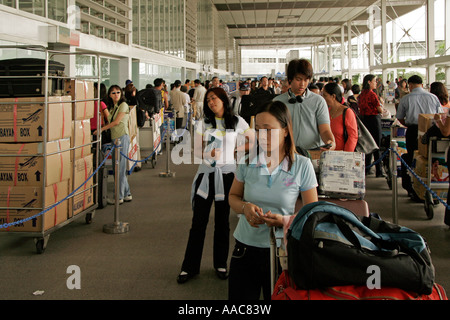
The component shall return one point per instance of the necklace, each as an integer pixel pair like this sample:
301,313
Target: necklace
334,112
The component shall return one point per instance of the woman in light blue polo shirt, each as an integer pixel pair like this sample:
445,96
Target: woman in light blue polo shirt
263,191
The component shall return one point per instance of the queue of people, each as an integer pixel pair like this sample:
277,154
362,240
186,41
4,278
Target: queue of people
262,187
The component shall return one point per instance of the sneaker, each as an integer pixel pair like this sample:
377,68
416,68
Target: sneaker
128,198
111,201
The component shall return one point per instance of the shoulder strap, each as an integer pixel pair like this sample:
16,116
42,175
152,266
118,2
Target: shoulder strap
345,129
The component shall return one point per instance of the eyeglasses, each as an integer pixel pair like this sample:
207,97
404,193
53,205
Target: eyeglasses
115,92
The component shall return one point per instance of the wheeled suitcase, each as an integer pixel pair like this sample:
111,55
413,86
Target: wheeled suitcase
25,77
285,290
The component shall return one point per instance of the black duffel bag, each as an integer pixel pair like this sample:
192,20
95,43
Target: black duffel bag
328,245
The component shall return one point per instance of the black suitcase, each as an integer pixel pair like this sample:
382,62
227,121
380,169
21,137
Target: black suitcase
25,77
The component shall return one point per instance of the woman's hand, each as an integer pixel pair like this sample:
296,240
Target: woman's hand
253,214
273,219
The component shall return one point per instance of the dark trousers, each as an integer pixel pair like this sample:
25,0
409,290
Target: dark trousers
202,207
373,124
249,273
411,146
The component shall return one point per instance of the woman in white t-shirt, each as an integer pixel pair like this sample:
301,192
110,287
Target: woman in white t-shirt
220,131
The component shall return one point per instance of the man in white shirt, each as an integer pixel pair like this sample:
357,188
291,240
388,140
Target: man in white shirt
199,96
178,100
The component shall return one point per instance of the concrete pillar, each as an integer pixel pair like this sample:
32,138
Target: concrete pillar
330,55
342,48
325,54
431,43
349,54
125,70
384,51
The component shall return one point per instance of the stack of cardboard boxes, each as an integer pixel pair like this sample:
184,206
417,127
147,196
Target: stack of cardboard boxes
439,172
82,159
36,161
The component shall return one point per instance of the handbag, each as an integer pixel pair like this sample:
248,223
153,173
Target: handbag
366,142
106,134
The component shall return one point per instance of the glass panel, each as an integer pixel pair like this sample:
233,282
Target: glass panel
57,10
9,3
33,6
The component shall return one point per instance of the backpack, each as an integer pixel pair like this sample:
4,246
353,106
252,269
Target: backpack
250,103
148,101
328,245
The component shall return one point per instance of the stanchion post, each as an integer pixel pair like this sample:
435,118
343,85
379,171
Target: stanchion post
116,226
393,168
167,174
273,258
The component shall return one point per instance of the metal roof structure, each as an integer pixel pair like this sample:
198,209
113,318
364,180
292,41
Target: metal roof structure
286,24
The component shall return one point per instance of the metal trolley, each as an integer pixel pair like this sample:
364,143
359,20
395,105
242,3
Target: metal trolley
390,132
150,137
36,213
437,175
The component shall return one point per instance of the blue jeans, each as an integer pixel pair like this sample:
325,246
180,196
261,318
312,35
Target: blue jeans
124,188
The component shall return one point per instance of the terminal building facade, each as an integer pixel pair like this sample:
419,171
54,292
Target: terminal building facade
188,39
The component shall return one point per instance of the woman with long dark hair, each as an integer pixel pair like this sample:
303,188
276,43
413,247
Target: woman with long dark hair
333,96
217,134
265,191
370,109
118,123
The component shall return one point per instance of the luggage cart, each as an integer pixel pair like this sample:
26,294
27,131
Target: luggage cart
437,175
28,215
392,132
150,138
169,117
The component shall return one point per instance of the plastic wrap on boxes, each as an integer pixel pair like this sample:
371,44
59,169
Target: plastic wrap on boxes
342,174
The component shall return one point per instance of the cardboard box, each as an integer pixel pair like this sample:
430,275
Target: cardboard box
425,121
420,164
23,119
133,153
84,196
342,174
83,91
132,122
32,197
25,166
422,148
420,189
438,173
315,158
81,135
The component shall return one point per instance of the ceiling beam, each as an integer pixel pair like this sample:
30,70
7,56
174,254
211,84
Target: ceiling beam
271,5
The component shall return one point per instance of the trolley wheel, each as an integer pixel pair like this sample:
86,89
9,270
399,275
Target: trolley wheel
41,244
89,217
429,205
153,161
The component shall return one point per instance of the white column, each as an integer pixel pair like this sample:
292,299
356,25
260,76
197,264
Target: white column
325,54
349,54
431,43
330,55
371,53
125,70
342,49
394,48
447,40
384,52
